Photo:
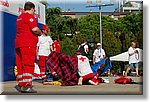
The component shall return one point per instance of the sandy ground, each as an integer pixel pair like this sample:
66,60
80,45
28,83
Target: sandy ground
103,88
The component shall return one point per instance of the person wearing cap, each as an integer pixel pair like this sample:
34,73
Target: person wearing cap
56,45
44,47
25,44
98,54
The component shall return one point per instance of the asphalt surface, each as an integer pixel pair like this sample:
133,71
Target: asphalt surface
102,89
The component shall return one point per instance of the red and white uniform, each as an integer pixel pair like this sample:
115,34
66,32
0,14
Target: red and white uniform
84,68
56,45
44,43
25,44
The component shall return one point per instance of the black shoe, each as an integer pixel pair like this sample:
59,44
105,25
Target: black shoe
18,88
28,90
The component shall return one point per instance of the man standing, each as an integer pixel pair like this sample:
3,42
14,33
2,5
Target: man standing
84,49
25,44
98,54
133,60
44,47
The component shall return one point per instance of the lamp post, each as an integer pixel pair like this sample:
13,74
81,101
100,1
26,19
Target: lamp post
99,5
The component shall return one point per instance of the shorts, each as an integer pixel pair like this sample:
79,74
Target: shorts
135,65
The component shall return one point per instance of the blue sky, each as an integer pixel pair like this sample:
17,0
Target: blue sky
80,5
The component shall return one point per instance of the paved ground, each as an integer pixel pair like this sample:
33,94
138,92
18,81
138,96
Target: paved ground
103,88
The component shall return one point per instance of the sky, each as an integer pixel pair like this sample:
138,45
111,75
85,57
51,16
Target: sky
80,5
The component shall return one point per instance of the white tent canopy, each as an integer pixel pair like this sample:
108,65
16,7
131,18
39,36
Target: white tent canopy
125,56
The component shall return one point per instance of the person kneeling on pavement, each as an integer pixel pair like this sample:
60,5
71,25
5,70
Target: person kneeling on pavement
84,70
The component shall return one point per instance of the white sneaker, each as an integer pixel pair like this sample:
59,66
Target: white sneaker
80,81
106,80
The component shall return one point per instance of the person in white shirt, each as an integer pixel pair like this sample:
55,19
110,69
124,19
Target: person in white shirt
44,47
133,60
84,69
98,54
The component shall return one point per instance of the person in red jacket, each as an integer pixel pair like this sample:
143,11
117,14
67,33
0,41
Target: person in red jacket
25,44
56,45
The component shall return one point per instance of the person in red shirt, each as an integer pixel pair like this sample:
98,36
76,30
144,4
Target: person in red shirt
25,44
55,48
56,45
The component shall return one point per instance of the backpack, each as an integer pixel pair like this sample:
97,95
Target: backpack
81,49
123,80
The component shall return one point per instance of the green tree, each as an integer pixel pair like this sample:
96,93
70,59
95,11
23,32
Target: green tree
52,16
111,44
134,26
89,26
67,46
117,34
60,25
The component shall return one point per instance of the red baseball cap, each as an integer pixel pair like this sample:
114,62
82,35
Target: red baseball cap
45,27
